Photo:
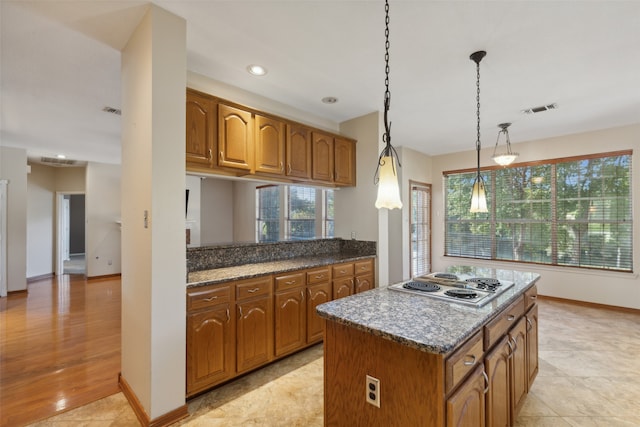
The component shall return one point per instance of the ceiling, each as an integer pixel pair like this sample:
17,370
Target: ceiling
60,66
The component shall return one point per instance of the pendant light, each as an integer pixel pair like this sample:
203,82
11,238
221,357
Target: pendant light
478,197
507,158
386,177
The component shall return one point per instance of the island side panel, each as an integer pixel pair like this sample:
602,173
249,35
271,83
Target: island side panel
411,381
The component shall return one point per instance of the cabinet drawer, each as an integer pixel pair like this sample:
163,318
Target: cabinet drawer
363,267
342,270
463,361
289,281
530,297
319,275
207,297
253,288
495,329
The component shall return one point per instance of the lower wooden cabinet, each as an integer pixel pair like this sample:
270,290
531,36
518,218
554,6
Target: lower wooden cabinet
290,321
532,345
317,294
497,367
466,406
254,333
343,287
518,336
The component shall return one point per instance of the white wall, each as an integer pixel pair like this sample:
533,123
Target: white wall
70,180
13,168
611,288
244,211
192,184
216,211
41,194
102,211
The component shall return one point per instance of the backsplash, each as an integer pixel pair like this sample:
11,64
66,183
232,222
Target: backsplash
229,255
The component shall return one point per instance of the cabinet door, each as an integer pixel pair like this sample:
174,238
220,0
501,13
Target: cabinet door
298,154
210,348
345,162
290,321
322,163
269,145
235,138
342,287
200,129
254,333
363,283
497,398
532,345
465,407
518,336
318,294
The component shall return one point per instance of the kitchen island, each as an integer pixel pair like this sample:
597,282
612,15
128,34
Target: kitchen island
396,359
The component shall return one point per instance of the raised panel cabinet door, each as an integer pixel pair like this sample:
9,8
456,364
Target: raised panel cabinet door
343,287
270,138
318,294
210,348
497,398
345,162
254,333
290,321
519,376
466,406
532,345
363,283
322,153
235,138
200,129
298,152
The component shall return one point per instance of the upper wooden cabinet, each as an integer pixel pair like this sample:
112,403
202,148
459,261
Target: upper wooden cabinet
322,163
201,129
298,152
235,138
345,162
270,138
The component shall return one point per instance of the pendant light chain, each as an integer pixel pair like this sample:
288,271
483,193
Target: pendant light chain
387,94
478,104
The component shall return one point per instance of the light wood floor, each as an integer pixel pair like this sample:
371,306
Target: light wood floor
589,369
59,347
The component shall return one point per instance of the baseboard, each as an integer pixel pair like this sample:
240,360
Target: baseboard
591,304
105,277
40,277
163,420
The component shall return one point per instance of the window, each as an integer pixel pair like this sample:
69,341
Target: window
293,213
566,212
420,228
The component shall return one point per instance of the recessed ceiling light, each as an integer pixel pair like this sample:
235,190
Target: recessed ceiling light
256,70
329,99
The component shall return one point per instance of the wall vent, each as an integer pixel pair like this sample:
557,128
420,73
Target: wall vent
112,110
52,161
540,109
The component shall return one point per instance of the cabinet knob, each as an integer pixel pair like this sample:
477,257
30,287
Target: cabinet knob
511,317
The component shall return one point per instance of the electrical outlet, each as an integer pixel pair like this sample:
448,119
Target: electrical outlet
373,391
353,235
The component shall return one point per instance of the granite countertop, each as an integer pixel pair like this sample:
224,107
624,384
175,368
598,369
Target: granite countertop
424,323
247,271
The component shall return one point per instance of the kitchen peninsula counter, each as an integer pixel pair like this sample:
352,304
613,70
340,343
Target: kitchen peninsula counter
393,358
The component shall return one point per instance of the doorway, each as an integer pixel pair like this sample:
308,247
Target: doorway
71,253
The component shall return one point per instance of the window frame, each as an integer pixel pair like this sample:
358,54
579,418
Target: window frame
415,185
554,201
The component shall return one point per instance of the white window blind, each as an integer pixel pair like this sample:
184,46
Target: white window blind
420,227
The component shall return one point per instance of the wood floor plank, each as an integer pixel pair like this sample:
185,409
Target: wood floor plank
59,347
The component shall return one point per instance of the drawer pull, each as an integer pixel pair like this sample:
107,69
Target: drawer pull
533,297
343,271
290,282
511,317
228,315
486,380
253,291
363,267
470,361
319,276
211,298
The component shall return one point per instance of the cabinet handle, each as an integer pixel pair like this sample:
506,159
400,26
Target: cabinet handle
486,380
363,268
511,348
471,361
515,344
281,166
211,298
530,323
289,168
511,317
301,295
222,156
228,315
253,291
342,271
533,297
319,276
210,154
290,282
239,312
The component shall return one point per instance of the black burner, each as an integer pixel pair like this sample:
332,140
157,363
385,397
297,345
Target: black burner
461,293
449,276
422,286
485,283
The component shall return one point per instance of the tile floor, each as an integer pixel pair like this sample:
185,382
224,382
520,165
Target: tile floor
589,377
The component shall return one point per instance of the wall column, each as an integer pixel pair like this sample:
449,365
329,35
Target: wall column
153,218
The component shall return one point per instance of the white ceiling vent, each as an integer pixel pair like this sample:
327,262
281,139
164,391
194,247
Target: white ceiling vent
540,109
52,161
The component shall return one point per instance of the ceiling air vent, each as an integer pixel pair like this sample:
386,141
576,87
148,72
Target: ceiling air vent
540,109
112,110
52,161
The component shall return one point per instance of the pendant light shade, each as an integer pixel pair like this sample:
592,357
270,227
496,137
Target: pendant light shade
388,190
386,176
506,158
478,196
